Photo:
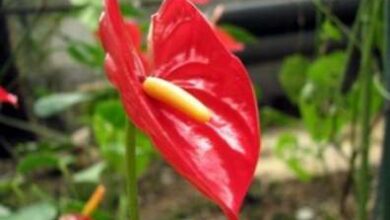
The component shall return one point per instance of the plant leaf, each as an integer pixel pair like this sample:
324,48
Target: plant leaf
53,104
292,76
90,174
329,31
89,14
289,151
272,117
240,34
37,161
88,54
38,211
108,126
320,102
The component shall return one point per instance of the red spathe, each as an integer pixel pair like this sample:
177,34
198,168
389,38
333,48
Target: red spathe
218,157
6,97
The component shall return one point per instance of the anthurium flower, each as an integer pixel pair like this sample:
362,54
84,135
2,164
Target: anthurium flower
6,97
228,41
195,101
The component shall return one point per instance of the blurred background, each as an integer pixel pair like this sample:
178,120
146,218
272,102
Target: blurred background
318,70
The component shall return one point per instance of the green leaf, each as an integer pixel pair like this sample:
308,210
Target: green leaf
111,143
108,126
38,211
292,76
320,102
271,117
109,129
90,174
91,55
239,34
144,152
289,150
53,104
298,169
129,10
112,112
313,116
326,71
329,31
90,13
332,112
285,145
37,161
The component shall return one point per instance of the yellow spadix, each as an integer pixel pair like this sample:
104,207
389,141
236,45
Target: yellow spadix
176,97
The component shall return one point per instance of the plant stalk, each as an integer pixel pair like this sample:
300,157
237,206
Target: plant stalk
363,174
131,176
382,211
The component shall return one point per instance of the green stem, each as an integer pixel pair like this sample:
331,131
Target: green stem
382,211
321,7
71,189
354,36
131,176
363,175
15,187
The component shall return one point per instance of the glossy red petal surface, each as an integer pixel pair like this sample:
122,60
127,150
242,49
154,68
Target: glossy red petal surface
225,150
135,33
6,97
123,65
217,157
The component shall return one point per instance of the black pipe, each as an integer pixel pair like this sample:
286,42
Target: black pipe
276,47
284,27
270,17
270,48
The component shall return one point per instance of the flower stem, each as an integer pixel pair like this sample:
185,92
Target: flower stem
131,176
363,172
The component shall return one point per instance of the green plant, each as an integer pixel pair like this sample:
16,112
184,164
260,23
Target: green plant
326,108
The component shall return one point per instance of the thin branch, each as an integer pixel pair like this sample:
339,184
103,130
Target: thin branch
35,128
